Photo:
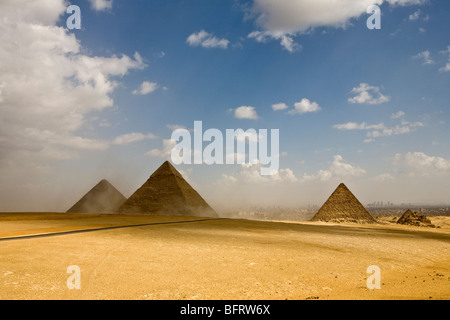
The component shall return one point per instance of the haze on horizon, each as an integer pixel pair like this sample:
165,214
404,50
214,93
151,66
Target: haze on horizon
369,108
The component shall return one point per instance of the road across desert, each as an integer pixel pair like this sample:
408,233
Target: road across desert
219,258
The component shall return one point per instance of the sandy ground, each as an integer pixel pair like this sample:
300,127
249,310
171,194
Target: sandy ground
220,259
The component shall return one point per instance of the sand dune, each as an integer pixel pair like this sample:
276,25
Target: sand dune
221,259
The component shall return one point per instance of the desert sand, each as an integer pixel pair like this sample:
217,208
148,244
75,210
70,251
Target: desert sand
220,258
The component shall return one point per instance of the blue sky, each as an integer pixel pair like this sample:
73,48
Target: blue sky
381,97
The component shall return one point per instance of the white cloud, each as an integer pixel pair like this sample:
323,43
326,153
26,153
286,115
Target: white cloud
132,137
245,112
406,127
206,40
101,5
146,87
286,39
44,12
104,123
397,115
279,106
414,16
305,106
358,126
446,68
165,151
380,129
48,85
250,173
426,56
175,126
383,177
421,164
339,169
367,94
288,18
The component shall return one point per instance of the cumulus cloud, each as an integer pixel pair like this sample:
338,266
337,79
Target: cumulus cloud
245,112
206,40
132,137
305,106
380,129
284,19
425,56
339,169
358,126
165,151
397,115
43,12
383,177
175,126
366,94
405,127
286,40
446,68
279,106
146,87
421,164
414,16
48,85
101,5
250,173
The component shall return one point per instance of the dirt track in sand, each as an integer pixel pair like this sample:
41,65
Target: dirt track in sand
220,259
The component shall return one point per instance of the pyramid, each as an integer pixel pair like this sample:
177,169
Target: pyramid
343,206
413,219
167,193
103,198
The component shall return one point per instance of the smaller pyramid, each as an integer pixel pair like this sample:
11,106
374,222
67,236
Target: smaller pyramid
167,193
414,219
343,206
103,198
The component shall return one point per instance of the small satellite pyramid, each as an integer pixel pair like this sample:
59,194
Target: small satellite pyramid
167,193
103,198
414,219
343,206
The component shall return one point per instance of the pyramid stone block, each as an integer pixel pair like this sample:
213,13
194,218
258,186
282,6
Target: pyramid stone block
103,198
343,206
167,193
414,219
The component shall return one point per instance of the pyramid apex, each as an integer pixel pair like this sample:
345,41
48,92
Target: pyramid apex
343,206
102,198
166,168
166,192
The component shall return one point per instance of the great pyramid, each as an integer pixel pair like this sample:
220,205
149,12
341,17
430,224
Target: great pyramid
343,206
103,198
414,219
167,193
